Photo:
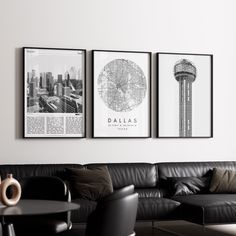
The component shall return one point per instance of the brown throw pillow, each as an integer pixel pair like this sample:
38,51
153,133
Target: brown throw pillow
223,181
92,184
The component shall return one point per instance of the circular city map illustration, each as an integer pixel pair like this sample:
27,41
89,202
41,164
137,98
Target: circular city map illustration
122,85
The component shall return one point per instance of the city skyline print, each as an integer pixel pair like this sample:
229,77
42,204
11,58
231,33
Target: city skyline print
121,91
184,95
54,92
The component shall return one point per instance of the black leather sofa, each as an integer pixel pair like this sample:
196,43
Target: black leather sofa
156,201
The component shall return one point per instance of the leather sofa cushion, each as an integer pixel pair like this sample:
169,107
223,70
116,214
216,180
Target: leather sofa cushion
148,208
208,208
149,192
157,209
191,169
86,207
20,172
141,175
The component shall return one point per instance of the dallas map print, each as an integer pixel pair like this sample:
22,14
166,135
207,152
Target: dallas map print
121,94
122,85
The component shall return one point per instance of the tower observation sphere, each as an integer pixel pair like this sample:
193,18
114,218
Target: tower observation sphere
185,73
185,68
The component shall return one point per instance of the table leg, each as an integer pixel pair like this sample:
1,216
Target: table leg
7,229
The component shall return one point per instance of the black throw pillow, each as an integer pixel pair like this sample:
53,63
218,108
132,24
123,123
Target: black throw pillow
92,184
223,181
181,186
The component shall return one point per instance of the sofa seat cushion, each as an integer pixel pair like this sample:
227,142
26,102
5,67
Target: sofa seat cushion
157,209
208,208
86,208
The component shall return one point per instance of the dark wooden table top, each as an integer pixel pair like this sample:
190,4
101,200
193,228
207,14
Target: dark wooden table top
37,207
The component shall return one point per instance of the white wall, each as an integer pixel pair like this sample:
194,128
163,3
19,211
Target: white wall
198,26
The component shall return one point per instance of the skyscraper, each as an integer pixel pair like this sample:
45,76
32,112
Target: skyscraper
66,76
50,83
66,91
33,73
32,89
59,89
185,73
34,78
59,78
43,81
67,82
49,79
73,73
29,76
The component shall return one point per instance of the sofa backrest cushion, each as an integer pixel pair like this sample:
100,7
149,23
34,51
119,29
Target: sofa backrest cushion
191,169
22,171
141,175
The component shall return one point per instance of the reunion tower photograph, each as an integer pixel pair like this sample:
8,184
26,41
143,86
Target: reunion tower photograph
184,95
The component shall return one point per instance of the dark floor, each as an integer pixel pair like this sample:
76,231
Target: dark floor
147,230
141,229
180,228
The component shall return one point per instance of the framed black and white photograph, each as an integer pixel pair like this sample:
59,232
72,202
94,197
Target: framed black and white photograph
185,94
54,92
121,94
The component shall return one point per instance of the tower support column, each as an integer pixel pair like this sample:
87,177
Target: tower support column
185,108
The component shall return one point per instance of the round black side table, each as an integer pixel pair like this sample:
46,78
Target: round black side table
32,207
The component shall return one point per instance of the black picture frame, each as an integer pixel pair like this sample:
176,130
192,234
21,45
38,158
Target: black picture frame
149,79
158,89
83,67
